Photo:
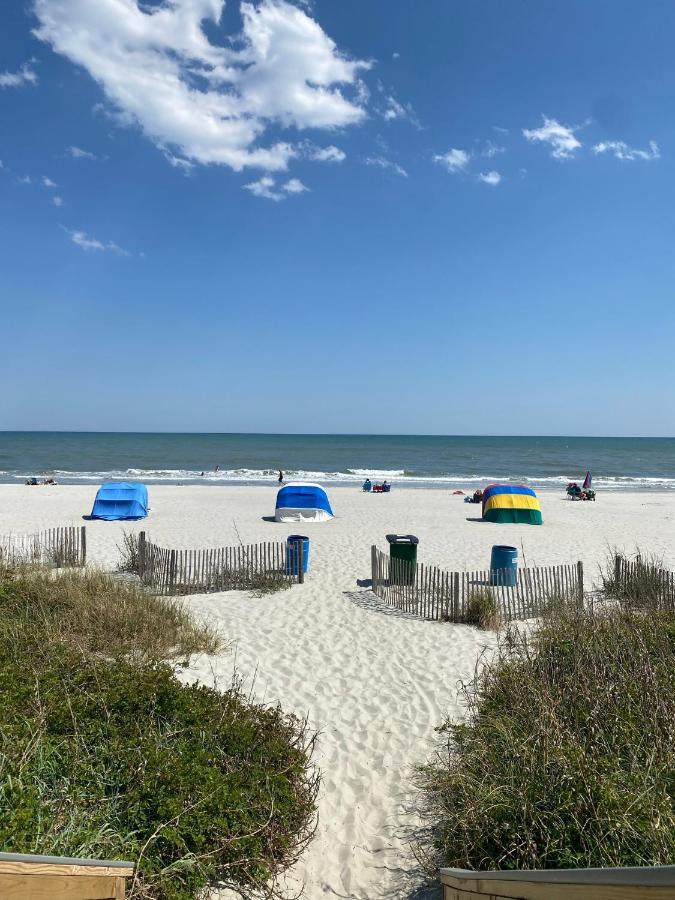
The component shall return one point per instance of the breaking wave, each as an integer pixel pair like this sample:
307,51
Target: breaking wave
351,476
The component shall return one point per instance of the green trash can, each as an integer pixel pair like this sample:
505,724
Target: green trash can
403,548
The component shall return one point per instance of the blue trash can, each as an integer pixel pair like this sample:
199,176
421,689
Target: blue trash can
292,543
504,565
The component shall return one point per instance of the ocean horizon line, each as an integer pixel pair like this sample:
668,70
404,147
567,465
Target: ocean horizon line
358,434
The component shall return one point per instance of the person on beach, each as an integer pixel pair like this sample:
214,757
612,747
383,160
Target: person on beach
367,484
281,477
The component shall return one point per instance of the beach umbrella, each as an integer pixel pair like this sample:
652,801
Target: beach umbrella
587,481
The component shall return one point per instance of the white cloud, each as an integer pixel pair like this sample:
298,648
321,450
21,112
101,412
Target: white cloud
561,138
25,179
326,154
622,151
79,153
184,164
394,110
25,75
500,130
207,102
395,55
389,165
267,187
48,183
294,186
454,160
492,178
57,201
82,239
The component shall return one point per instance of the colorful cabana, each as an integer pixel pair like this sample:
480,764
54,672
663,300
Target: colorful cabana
511,503
120,500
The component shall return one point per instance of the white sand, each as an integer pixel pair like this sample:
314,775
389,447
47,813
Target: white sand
373,681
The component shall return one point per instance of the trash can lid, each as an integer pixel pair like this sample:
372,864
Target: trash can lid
296,538
402,539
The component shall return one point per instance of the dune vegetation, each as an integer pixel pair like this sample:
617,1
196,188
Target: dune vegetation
105,753
567,755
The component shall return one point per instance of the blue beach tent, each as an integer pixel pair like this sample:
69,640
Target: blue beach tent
302,503
120,500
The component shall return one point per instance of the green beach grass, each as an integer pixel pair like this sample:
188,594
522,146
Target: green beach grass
104,753
567,755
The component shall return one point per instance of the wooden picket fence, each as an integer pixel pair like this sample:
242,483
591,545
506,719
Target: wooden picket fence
433,593
206,571
61,547
643,582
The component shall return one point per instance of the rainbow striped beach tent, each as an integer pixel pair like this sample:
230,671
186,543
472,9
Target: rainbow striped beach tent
511,503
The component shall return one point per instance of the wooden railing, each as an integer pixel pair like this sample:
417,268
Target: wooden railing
55,878
61,547
433,593
648,883
246,567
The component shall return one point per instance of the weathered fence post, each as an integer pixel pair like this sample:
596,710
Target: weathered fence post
83,545
172,570
617,570
300,554
141,555
455,600
580,585
373,568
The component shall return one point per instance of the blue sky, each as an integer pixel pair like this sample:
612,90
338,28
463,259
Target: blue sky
405,217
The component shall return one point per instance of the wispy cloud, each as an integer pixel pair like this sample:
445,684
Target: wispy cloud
79,153
622,151
267,187
178,162
492,178
25,75
48,183
57,200
325,154
204,101
24,179
561,138
91,244
490,150
387,164
454,160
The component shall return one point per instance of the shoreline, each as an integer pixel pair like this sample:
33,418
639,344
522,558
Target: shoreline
468,486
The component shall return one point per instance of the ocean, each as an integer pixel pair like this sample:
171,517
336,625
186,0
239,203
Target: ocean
416,461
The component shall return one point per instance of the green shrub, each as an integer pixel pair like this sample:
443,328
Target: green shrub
482,609
130,553
104,753
567,756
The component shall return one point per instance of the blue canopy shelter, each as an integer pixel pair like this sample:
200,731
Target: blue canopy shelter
120,500
302,503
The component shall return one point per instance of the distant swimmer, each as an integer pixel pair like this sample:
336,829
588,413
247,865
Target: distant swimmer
281,477
217,468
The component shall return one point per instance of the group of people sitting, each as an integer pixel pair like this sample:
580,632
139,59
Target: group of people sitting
574,492
33,481
383,488
476,498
